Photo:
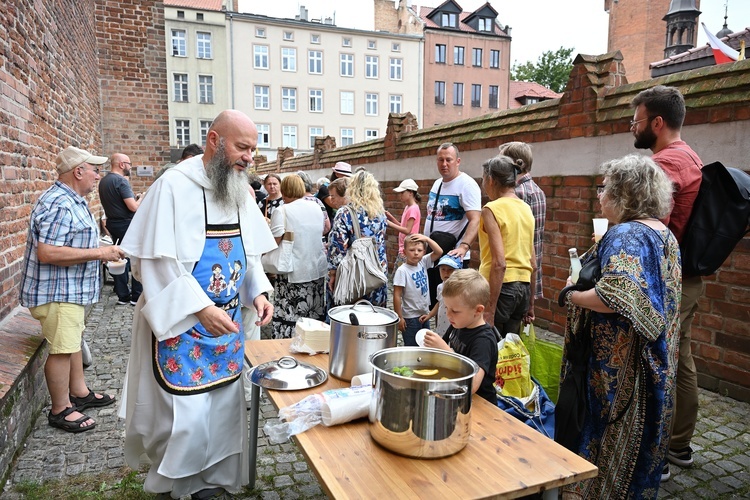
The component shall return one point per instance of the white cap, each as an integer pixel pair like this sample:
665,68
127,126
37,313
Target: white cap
406,184
70,157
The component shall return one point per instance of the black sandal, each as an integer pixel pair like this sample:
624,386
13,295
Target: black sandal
69,425
91,401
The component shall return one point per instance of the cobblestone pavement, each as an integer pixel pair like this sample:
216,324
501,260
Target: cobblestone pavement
722,442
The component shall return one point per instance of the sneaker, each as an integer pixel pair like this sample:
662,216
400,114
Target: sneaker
123,302
682,457
133,302
665,474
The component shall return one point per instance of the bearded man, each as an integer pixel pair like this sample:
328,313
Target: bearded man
183,398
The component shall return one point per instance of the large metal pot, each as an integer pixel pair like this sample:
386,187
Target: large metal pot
357,331
421,418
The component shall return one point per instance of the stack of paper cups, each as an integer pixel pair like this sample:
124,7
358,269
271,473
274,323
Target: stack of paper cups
363,379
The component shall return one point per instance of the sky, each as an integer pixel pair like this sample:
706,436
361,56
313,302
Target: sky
584,28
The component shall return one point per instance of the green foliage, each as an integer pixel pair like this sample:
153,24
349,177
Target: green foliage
124,485
552,69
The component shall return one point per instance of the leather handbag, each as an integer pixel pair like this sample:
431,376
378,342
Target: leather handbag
280,260
588,276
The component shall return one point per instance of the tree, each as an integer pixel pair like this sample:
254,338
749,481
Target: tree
552,69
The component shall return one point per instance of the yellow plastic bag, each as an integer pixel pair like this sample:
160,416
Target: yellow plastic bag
512,372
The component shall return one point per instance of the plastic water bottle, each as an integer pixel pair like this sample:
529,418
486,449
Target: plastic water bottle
575,265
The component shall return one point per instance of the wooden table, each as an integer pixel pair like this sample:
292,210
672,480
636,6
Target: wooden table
503,459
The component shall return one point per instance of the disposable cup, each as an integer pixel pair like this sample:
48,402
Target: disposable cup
420,336
600,227
117,267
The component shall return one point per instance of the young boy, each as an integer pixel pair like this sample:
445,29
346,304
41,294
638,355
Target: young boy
411,291
446,265
465,294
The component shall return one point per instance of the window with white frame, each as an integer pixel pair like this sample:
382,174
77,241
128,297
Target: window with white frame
262,96
179,43
458,55
316,100
494,96
315,132
205,89
260,32
476,95
394,103
264,135
371,104
485,24
371,133
347,136
476,57
395,47
396,71
346,41
458,94
203,49
288,36
182,132
180,87
372,44
315,62
260,56
494,59
204,125
314,38
448,20
288,59
347,103
347,65
289,136
288,99
371,66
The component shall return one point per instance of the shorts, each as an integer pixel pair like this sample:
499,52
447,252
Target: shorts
62,325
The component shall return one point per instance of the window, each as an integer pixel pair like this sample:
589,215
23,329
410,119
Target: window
315,62
260,32
180,14
371,104
262,97
458,56
179,43
205,125
372,44
205,89
315,39
476,95
315,132
371,66
288,99
180,87
440,54
371,133
532,100
264,135
289,136
199,16
260,59
347,136
485,24
347,103
288,36
182,132
316,101
494,59
204,45
458,94
439,92
494,94
346,41
394,103
395,68
288,59
395,47
476,57
448,20
347,64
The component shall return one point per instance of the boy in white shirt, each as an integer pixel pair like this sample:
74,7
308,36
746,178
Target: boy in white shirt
446,265
411,290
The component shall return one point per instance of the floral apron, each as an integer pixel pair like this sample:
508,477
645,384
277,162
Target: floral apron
196,361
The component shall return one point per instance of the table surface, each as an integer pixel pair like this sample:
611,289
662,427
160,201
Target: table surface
503,459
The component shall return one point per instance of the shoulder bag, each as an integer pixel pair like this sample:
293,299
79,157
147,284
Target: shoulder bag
279,260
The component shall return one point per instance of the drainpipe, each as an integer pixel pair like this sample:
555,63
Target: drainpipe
231,57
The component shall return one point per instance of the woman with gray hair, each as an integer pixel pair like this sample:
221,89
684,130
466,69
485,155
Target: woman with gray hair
621,338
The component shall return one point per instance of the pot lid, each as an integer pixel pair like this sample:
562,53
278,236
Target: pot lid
287,374
363,313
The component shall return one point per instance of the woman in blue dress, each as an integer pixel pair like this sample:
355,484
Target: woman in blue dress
631,318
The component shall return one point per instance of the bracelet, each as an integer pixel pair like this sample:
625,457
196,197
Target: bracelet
464,243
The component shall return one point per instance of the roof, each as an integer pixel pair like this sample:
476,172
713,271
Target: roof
462,27
696,57
196,4
518,90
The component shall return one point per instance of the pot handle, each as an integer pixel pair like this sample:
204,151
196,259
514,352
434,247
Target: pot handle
364,301
365,335
449,395
286,362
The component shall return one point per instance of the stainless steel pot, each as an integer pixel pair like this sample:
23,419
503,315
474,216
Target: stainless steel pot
357,331
421,418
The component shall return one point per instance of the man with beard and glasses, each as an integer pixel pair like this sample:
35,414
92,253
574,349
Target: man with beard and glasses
119,205
197,230
656,125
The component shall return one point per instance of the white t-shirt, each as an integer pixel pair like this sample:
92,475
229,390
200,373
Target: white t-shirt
442,322
457,197
303,217
415,300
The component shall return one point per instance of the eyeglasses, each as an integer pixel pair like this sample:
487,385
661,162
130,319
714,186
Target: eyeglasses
126,163
600,189
633,123
92,169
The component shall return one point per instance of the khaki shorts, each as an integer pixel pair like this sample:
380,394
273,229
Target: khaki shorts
62,325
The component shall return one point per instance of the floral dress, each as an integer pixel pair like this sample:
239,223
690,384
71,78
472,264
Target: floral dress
342,234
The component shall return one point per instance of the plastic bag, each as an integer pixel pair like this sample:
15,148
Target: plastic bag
311,336
512,374
546,358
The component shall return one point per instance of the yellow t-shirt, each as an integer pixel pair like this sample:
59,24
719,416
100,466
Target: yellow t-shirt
516,223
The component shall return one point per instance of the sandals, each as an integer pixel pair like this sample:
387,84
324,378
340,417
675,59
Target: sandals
69,425
91,401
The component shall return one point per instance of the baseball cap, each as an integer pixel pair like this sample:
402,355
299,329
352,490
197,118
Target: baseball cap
70,157
451,261
406,185
343,168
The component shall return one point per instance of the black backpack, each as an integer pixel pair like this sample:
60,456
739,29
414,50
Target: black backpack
719,220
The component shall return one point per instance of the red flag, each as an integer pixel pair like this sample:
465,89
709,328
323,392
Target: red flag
723,53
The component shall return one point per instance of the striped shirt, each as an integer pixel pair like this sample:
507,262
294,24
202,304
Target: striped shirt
60,217
532,194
